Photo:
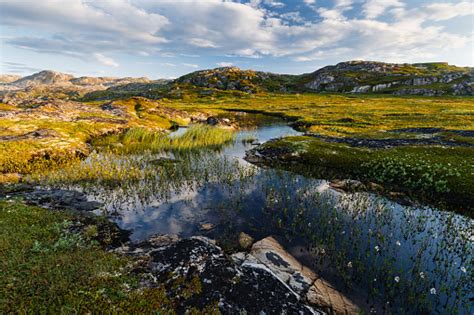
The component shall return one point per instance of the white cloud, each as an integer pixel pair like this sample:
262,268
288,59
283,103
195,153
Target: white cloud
446,11
190,65
85,29
106,61
375,8
225,64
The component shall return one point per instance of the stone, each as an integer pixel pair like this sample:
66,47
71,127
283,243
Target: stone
206,226
347,185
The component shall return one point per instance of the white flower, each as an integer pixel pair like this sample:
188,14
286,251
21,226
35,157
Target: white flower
377,248
422,275
463,269
433,291
398,243
397,279
375,279
323,251
349,264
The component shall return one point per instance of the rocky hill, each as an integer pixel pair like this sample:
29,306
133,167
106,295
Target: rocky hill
47,78
233,78
377,77
427,79
8,78
347,77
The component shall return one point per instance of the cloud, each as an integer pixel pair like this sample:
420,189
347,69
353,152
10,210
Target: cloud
190,65
92,30
375,8
17,67
225,64
106,61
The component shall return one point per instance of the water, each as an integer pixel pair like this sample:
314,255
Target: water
382,254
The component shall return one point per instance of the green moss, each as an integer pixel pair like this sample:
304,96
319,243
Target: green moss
442,175
47,269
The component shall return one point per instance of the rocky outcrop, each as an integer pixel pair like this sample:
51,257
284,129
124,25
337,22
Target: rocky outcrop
400,79
266,280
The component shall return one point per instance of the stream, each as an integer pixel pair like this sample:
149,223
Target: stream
385,256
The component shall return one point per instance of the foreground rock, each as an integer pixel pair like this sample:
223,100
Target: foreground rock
267,280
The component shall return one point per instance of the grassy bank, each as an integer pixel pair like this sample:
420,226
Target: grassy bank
40,135
338,114
47,267
439,174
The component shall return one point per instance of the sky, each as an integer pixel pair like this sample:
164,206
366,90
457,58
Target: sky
169,38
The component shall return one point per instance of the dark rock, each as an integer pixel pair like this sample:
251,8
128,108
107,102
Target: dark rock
212,121
237,287
61,199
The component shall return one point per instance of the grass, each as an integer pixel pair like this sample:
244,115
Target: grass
435,173
69,126
343,115
141,139
46,268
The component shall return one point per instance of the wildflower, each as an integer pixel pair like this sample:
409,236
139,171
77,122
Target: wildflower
397,279
463,269
349,264
422,275
377,248
433,291
398,243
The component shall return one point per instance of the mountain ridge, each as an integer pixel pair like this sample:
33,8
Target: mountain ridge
355,76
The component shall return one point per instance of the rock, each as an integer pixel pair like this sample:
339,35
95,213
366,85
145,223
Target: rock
347,185
206,226
212,121
299,278
61,199
361,89
245,240
239,287
375,187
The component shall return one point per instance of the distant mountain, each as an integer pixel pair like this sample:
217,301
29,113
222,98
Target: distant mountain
348,77
8,78
49,78
436,78
45,77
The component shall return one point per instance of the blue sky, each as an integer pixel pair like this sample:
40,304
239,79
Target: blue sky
165,39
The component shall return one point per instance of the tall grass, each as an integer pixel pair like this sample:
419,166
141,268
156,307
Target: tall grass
140,139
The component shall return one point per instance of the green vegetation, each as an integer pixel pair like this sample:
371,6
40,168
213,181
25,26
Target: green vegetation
139,140
52,134
435,173
53,269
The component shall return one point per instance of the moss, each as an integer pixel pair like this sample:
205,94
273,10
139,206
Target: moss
437,174
48,269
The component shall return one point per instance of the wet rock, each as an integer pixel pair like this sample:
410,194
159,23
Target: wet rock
300,279
213,121
61,199
245,240
206,227
347,185
375,187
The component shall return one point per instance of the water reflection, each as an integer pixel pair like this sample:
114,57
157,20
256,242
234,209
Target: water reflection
395,258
